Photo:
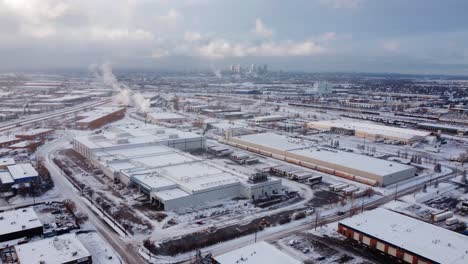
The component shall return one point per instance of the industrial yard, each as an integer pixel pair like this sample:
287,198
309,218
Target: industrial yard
214,132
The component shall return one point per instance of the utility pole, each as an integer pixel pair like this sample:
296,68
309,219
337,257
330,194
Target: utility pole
317,216
396,191
362,204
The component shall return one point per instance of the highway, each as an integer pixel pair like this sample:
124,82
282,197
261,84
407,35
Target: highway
126,251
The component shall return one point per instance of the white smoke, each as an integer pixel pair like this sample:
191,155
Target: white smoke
142,104
124,96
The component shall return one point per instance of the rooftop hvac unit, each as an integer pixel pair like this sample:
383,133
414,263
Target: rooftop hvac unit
160,131
173,136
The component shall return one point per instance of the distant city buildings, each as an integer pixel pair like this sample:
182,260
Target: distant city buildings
253,69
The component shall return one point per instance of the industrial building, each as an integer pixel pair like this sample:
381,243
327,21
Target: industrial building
19,223
99,116
137,136
40,133
260,252
64,249
153,160
22,173
347,165
452,129
405,238
165,117
371,131
269,118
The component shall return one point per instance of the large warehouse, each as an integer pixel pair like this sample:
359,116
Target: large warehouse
137,136
352,166
99,116
371,131
406,238
170,177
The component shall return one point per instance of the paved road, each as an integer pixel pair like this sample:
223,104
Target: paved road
327,219
126,251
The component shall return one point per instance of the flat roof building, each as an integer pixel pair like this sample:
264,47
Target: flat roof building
137,136
64,249
356,167
260,252
19,223
166,117
406,238
4,162
99,116
35,134
22,173
153,160
371,131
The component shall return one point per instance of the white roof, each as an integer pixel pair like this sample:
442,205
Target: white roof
167,195
404,133
24,170
34,132
346,159
134,135
5,177
98,113
55,250
429,241
355,161
7,162
273,140
260,252
165,115
18,220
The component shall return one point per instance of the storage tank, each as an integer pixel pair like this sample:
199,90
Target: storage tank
442,216
451,221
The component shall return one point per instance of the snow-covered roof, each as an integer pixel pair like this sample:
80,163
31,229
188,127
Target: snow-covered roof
25,170
355,161
429,241
18,220
97,113
7,162
165,116
35,132
5,177
167,195
273,140
369,128
134,135
350,160
55,250
260,252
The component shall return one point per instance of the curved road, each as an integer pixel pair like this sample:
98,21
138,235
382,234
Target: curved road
126,251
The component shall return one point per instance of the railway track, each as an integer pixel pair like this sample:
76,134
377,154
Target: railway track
31,120
271,237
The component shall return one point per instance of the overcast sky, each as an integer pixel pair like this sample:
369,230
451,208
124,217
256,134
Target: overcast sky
407,36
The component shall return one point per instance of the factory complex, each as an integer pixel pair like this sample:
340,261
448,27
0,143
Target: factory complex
153,160
360,168
99,116
371,131
405,238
